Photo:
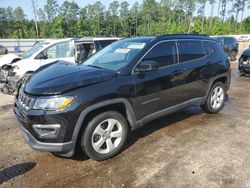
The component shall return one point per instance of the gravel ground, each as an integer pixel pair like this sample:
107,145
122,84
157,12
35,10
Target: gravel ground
186,149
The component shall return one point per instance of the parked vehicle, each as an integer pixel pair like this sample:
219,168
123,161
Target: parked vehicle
244,62
41,54
3,50
230,46
46,52
120,88
87,46
11,58
243,39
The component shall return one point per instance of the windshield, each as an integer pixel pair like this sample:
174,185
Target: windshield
34,49
116,56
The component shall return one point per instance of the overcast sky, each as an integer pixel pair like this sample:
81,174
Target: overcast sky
26,5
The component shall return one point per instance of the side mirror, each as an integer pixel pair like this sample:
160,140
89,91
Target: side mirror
41,56
146,66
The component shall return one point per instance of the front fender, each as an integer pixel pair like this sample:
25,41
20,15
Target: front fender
85,112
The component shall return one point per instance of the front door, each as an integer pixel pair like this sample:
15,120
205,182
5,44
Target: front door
156,90
59,51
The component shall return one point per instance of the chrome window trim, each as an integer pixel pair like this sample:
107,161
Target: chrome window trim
178,62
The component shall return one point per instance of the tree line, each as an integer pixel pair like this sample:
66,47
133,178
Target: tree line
124,20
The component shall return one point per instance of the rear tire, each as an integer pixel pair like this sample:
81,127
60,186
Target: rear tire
104,136
216,99
233,55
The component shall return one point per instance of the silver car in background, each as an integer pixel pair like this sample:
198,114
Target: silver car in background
3,50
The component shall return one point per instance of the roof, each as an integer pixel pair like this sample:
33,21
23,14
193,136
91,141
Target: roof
170,37
88,39
183,36
58,40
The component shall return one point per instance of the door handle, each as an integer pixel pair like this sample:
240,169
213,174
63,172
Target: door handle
178,72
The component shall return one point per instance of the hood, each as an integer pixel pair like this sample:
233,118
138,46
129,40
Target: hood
64,76
8,58
25,65
246,52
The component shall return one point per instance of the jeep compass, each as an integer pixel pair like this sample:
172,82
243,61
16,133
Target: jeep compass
93,106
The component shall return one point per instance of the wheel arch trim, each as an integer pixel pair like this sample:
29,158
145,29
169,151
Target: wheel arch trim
212,81
129,112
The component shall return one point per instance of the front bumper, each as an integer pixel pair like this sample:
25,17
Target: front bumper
63,144
11,84
44,146
244,67
3,75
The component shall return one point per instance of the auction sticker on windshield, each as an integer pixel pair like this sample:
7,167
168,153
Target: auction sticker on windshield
122,50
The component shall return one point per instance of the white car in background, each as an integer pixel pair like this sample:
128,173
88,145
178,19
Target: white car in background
15,69
40,54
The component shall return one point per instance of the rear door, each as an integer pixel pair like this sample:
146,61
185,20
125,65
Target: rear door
193,61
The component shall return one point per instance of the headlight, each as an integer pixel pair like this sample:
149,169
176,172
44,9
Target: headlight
53,103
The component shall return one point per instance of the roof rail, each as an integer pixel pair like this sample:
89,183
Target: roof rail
182,34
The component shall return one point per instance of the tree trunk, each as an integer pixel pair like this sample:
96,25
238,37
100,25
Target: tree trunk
136,22
148,25
211,16
35,17
203,17
218,12
242,14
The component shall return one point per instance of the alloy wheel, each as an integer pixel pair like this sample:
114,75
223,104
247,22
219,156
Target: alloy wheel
217,97
107,136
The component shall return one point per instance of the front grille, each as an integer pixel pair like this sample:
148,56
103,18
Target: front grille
25,100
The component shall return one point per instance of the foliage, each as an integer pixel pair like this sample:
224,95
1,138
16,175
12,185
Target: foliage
121,19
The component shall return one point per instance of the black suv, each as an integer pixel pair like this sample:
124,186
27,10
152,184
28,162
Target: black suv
120,88
230,46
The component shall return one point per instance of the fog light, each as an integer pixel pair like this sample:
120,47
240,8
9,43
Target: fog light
47,131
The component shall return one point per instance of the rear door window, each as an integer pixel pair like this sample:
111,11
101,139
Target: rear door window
190,50
208,47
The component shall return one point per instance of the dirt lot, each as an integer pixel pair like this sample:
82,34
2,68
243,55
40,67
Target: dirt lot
186,149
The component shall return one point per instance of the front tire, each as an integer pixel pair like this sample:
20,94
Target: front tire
216,99
242,73
104,136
